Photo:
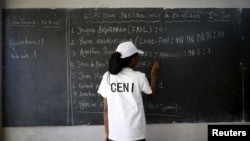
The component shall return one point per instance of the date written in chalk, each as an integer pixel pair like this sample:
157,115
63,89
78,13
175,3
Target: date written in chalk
241,132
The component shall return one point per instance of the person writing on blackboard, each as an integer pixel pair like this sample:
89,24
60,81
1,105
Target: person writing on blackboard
121,88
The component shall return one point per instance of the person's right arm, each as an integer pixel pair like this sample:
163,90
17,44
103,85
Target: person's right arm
153,74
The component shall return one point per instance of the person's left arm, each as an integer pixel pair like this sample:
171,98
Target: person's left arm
105,118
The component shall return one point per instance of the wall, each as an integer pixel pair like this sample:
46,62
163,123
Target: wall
125,3
1,116
159,132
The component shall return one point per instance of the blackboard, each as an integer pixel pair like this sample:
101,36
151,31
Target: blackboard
35,67
245,71
54,60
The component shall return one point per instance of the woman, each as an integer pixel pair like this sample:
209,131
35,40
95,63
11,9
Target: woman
121,88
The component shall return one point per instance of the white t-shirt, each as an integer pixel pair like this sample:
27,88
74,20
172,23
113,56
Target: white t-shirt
125,105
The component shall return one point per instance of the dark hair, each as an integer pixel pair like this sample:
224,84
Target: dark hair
116,63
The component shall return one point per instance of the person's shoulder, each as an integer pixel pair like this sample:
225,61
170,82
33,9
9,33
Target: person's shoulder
139,73
105,74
